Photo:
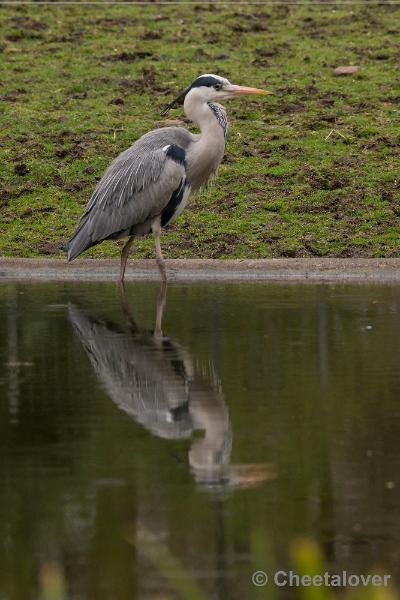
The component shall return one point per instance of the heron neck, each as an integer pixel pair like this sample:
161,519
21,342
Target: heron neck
206,154
209,116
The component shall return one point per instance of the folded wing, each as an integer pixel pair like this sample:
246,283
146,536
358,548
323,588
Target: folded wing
134,190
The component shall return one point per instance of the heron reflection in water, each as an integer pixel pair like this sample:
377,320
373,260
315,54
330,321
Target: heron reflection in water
154,380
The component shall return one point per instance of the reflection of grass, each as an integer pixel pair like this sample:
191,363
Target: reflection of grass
52,582
171,568
80,84
308,560
306,556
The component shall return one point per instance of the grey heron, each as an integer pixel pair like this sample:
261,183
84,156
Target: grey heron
155,381
147,186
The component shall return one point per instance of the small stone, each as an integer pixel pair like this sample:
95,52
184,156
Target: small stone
345,70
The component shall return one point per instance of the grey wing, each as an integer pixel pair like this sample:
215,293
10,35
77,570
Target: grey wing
140,380
135,188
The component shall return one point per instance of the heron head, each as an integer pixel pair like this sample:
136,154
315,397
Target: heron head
212,88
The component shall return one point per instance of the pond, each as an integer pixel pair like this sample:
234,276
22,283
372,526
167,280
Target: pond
169,445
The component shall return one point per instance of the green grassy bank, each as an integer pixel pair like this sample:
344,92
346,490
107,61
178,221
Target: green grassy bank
311,171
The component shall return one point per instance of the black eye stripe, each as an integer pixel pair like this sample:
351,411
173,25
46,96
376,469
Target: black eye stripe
206,82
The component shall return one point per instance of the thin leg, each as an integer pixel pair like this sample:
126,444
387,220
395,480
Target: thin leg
124,257
162,296
127,308
156,227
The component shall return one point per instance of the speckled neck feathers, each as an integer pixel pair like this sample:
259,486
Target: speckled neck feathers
205,155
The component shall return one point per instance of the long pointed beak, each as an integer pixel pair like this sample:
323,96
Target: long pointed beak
239,90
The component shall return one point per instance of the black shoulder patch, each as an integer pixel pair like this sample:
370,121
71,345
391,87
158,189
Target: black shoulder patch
177,154
179,412
173,204
205,81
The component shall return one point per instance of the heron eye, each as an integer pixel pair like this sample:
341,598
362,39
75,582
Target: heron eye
218,86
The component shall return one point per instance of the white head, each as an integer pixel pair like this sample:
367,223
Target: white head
211,88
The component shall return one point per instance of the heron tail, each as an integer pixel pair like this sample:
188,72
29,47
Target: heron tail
79,242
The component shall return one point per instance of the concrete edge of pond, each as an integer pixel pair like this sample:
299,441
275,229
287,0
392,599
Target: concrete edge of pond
274,269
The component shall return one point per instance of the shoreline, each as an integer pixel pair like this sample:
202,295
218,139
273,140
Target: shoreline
274,269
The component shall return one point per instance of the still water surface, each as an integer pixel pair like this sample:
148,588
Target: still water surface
153,444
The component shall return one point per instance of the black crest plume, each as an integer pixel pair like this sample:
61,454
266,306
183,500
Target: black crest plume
178,101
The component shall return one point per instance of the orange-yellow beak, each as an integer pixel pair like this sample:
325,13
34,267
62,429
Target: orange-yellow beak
239,90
